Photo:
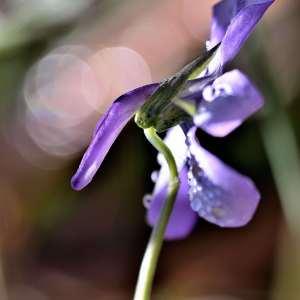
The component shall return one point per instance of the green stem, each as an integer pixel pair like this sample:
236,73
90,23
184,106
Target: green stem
149,263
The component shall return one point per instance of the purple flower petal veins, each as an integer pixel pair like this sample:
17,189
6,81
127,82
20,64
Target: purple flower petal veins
232,23
107,130
226,103
218,193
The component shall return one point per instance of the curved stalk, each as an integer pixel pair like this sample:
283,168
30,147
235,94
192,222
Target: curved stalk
150,259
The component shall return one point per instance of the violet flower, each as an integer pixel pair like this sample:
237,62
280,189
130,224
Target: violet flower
209,188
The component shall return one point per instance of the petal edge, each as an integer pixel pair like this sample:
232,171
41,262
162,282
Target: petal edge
107,130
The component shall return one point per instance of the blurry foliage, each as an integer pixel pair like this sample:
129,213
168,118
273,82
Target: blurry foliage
94,239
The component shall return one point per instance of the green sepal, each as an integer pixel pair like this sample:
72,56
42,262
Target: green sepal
170,117
187,106
150,113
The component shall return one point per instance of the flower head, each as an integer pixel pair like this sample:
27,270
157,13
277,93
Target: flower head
209,188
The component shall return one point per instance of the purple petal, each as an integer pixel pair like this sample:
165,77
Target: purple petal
218,193
182,219
175,140
232,23
227,103
223,13
108,128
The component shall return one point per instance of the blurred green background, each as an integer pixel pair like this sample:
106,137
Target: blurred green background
62,62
